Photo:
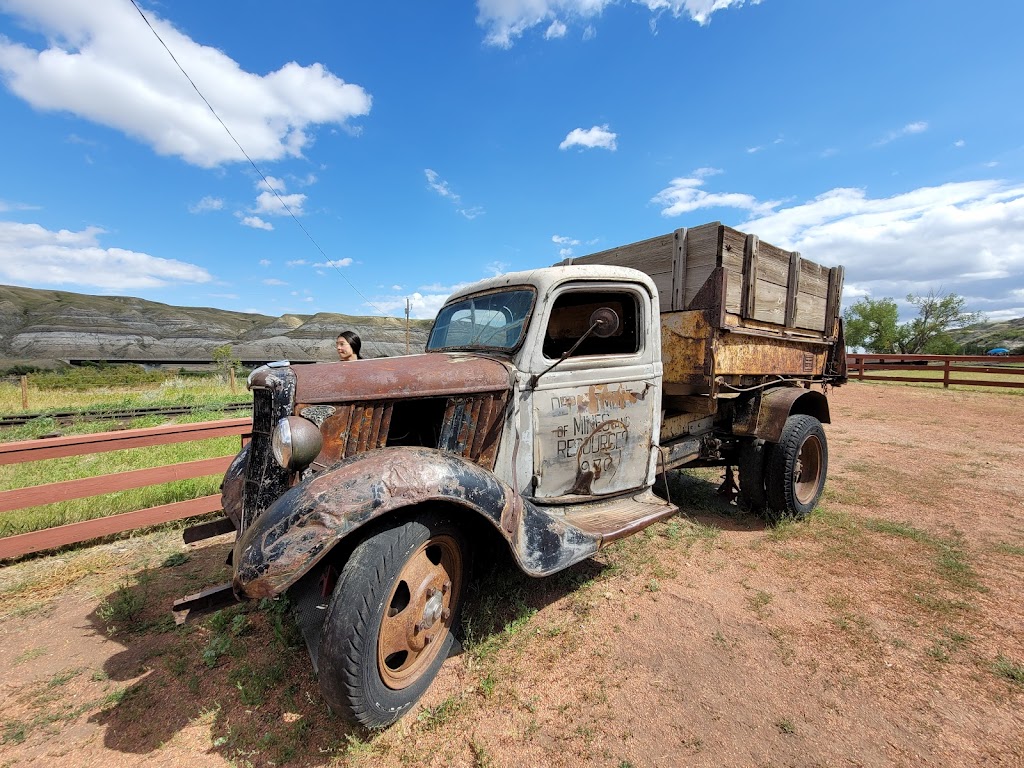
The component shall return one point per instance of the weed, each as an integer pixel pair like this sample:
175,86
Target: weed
123,607
435,717
653,586
31,653
481,757
14,733
758,602
178,558
488,684
1010,549
1009,670
217,647
785,725
62,677
254,682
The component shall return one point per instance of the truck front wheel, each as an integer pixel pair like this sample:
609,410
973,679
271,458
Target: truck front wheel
389,623
796,468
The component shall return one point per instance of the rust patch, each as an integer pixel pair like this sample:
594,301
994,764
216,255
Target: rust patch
412,376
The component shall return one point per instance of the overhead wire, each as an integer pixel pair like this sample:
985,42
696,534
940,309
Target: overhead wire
253,164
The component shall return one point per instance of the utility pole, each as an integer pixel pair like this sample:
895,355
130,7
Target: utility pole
407,325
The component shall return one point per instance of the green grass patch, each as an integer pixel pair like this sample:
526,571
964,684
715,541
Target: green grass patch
1009,670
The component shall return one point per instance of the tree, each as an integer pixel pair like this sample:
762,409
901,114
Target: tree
874,324
225,360
937,313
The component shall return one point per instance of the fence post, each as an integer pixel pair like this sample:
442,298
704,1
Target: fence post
945,373
231,378
24,393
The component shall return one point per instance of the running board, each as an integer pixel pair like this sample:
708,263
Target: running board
613,519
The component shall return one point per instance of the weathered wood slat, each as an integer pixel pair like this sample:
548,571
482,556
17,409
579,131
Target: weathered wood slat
50,493
76,445
26,543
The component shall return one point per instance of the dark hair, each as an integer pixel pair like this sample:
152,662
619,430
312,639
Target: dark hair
353,341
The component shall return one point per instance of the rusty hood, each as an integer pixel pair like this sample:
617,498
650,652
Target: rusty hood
427,375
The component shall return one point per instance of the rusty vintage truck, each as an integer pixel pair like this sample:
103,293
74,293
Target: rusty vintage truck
545,406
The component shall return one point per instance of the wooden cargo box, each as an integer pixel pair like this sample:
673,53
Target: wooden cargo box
764,284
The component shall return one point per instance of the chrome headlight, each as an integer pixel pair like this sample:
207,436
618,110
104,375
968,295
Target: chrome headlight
296,442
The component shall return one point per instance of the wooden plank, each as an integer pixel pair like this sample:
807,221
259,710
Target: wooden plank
792,288
703,245
679,272
835,289
122,481
770,304
810,312
750,265
773,264
653,256
77,445
733,248
813,279
73,533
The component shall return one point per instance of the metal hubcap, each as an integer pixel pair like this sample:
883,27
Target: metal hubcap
807,470
418,611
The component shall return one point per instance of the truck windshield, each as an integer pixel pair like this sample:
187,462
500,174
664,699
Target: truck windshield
490,320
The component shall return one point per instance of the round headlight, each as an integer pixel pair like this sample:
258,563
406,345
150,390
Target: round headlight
296,442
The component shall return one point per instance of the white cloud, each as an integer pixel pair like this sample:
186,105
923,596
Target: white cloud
264,262
590,138
561,240
224,295
256,223
396,287
31,254
272,200
104,65
6,206
555,31
421,306
684,195
208,203
497,268
506,20
965,238
346,262
441,187
959,143
296,263
273,281
910,129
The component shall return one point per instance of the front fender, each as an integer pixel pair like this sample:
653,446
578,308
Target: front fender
302,526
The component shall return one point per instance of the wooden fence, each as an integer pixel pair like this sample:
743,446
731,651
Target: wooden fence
55,447
954,369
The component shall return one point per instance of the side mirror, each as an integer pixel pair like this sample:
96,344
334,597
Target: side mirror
604,322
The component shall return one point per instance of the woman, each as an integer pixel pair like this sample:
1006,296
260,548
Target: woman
348,345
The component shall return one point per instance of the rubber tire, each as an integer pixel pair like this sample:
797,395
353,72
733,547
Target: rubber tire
752,464
349,678
780,481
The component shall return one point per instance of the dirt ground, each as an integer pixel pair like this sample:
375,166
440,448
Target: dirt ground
886,630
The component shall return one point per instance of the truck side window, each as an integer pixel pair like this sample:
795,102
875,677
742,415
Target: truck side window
570,319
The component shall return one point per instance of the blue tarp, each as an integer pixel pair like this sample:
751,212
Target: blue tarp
998,351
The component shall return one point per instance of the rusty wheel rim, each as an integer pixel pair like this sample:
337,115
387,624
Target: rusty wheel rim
417,615
807,472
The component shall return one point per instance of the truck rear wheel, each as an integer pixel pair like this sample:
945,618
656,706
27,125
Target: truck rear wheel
752,465
389,623
797,468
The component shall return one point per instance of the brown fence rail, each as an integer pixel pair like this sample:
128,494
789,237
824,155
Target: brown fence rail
77,445
868,367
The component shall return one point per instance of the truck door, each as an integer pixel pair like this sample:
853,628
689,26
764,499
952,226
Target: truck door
595,413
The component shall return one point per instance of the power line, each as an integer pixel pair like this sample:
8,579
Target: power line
255,167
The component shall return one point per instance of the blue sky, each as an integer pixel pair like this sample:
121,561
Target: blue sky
421,146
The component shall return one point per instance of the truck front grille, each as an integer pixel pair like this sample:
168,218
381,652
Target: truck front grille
265,479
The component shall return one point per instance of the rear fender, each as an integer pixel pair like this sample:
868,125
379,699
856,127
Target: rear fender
299,529
768,415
